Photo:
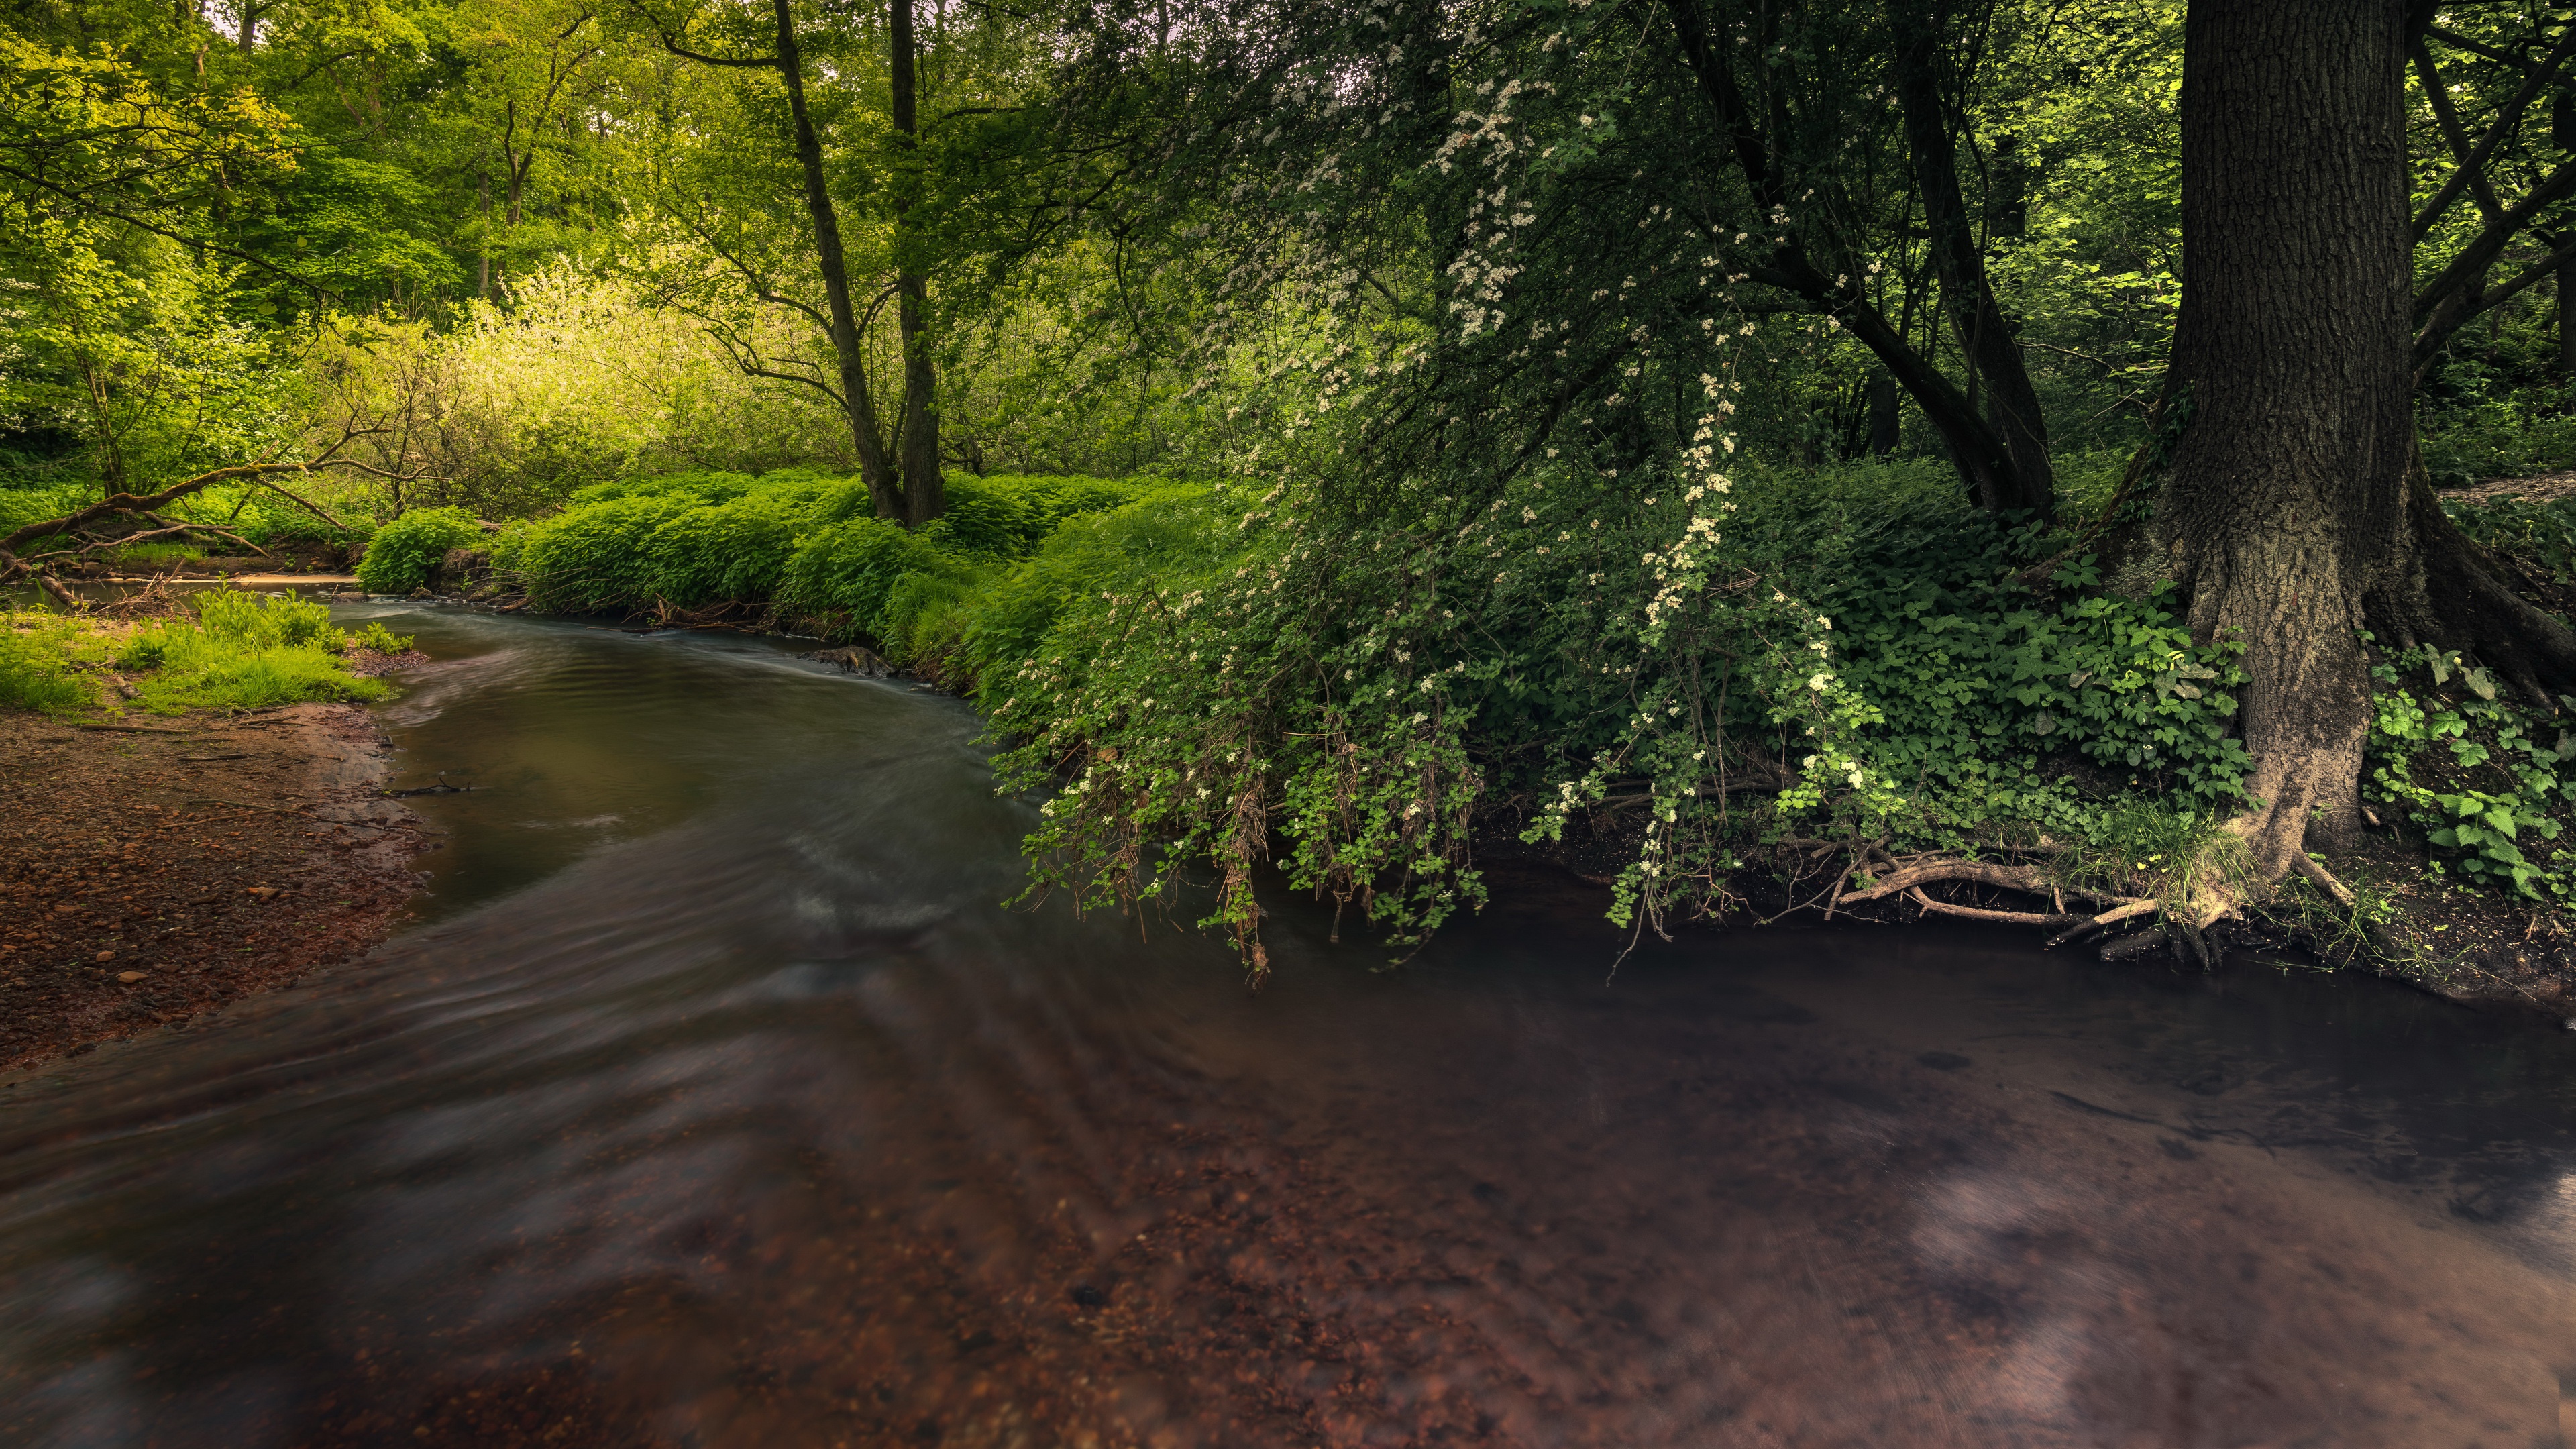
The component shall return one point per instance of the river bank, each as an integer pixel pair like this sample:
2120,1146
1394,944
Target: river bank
2469,945
153,878
158,867
714,1101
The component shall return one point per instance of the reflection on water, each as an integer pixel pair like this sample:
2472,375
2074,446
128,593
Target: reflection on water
717,1102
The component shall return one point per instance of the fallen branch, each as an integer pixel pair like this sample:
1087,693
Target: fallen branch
133,729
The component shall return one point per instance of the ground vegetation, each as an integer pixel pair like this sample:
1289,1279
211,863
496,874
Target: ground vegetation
1976,457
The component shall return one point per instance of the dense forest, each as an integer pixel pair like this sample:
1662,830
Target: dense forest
1971,455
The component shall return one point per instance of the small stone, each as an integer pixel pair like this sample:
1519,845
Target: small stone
106,956
129,977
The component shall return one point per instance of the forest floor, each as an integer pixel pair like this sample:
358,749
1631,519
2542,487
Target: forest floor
152,873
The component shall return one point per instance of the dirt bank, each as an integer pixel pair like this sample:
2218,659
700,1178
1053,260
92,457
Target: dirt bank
156,872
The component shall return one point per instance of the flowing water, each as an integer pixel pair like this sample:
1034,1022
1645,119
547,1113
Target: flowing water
716,1100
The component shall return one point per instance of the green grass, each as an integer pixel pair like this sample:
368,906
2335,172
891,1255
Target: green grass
158,555
36,653
244,651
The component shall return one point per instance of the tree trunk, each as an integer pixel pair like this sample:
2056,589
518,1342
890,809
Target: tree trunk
1886,421
2567,316
885,489
925,493
2293,513
1985,337
1982,456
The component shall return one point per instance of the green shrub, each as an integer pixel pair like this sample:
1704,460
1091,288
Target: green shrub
807,543
381,639
403,553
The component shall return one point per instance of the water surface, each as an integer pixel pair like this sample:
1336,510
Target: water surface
715,1100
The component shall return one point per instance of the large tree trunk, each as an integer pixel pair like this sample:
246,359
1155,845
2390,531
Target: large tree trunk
2289,483
1976,319
925,493
876,470
2294,513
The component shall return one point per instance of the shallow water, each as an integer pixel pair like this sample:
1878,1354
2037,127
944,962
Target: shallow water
716,1101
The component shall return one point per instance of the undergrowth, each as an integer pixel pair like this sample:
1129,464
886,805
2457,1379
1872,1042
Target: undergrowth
1699,666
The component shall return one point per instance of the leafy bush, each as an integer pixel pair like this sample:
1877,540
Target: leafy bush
403,553
2483,776
381,639
803,542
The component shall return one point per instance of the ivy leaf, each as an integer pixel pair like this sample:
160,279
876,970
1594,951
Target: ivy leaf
2044,724
2480,683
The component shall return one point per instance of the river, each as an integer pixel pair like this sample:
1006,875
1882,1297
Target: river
715,1099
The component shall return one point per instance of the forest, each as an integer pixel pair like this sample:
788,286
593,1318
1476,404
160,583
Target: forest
2032,461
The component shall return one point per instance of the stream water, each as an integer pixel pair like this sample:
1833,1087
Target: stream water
715,1099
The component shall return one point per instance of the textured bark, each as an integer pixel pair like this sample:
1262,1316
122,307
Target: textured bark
2294,340
2295,512
925,493
1985,336
876,470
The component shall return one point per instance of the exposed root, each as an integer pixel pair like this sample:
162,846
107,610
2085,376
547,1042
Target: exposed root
2306,865
2112,917
1979,913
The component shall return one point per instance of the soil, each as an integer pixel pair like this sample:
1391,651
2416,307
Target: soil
151,874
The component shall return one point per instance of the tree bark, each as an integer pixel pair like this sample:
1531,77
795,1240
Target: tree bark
1976,319
2566,285
1886,422
2295,513
925,492
876,470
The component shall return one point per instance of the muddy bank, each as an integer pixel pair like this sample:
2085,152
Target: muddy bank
153,873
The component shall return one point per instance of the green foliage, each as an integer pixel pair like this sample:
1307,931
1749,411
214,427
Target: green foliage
2485,778
801,542
2539,536
244,651
2482,428
403,553
381,639
35,667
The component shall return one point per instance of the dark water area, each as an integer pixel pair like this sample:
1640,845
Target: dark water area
716,1100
